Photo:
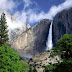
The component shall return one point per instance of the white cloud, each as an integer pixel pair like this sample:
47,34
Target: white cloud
32,16
27,3
7,5
21,16
55,9
28,15
12,22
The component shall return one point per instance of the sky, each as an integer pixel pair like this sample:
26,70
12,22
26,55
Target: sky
32,11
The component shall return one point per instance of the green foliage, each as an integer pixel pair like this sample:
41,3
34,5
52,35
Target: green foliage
49,68
3,30
30,69
64,46
64,66
25,66
63,49
34,70
54,53
9,61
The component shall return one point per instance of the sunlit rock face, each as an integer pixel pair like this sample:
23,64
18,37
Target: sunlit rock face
24,43
62,24
43,59
33,40
17,31
28,26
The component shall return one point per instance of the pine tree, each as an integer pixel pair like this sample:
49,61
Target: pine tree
3,30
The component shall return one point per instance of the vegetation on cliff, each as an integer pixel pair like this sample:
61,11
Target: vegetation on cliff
64,50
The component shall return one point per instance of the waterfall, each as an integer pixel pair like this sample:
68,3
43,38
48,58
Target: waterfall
49,41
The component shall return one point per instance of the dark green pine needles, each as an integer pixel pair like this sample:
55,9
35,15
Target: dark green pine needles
3,30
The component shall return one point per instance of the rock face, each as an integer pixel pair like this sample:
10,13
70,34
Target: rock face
62,24
39,61
14,33
17,31
41,33
33,40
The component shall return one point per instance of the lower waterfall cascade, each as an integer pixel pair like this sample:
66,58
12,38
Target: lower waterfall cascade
49,43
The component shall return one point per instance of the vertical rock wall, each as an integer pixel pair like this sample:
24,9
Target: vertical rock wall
62,24
33,40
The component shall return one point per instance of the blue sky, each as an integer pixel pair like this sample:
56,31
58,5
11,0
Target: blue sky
44,5
32,11
38,6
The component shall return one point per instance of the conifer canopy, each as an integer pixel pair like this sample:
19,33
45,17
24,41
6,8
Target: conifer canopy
3,30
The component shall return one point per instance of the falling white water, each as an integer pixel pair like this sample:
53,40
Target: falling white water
49,41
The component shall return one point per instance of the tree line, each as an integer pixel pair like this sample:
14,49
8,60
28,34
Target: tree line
9,59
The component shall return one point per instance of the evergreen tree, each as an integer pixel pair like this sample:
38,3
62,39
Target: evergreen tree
3,30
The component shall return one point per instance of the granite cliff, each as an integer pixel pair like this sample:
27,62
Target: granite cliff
62,24
33,40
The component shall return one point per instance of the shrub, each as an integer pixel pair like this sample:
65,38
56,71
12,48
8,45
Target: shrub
64,46
9,60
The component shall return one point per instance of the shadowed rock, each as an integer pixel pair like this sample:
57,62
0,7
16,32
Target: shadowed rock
62,24
33,40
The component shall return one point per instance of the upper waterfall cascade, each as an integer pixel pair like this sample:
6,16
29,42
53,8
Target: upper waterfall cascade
49,41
